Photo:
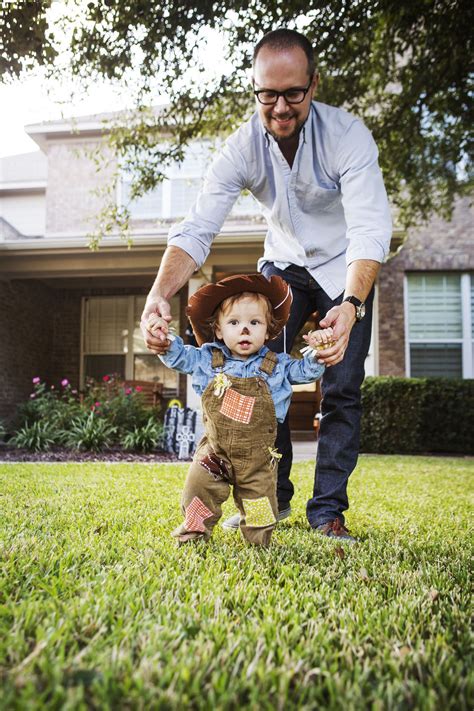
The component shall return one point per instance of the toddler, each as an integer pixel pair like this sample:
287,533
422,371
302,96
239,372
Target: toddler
245,389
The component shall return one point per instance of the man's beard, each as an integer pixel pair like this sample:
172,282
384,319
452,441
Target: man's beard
278,138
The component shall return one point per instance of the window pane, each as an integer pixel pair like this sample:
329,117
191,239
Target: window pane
183,194
435,359
99,365
245,205
149,367
106,328
138,342
148,206
194,164
434,306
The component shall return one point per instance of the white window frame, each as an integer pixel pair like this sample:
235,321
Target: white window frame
466,341
183,172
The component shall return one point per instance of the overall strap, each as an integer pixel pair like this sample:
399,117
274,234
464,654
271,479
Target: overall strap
217,358
269,362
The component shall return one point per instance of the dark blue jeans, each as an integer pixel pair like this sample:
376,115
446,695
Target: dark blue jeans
338,446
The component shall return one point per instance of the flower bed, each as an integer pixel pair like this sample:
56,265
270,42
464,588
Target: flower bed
108,416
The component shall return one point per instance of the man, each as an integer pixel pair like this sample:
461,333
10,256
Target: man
313,168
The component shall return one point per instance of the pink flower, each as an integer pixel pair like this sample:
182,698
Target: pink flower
74,392
139,388
106,378
97,404
65,382
36,380
52,387
128,391
32,396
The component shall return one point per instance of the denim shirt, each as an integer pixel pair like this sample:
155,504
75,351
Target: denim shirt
329,209
198,363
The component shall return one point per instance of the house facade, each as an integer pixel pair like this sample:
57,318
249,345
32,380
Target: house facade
69,312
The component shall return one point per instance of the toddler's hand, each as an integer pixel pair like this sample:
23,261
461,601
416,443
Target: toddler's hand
319,340
155,324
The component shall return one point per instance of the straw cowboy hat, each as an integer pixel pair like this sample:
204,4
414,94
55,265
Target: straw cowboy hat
205,301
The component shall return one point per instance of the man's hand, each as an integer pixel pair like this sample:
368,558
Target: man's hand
154,324
341,319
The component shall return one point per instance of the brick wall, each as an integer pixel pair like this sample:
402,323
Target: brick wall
437,246
26,339
66,352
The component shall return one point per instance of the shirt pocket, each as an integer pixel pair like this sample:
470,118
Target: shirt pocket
314,198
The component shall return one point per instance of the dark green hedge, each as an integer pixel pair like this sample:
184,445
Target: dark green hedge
409,415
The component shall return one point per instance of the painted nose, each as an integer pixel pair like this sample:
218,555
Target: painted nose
245,330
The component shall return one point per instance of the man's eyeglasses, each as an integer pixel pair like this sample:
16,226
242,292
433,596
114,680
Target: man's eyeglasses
291,96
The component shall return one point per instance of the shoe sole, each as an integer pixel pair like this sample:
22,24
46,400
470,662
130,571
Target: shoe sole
231,527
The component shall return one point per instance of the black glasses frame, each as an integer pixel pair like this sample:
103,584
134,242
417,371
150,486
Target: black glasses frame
283,93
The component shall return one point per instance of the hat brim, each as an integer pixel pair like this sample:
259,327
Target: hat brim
204,302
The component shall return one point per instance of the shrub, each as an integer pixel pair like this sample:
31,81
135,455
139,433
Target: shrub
108,412
37,437
90,432
124,407
143,439
54,406
409,415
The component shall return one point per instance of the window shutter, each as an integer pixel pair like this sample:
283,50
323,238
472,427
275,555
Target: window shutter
435,359
106,325
434,307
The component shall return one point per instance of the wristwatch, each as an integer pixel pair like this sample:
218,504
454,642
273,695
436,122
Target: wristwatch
358,305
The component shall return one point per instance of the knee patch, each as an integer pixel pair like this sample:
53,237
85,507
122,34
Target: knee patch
196,513
258,512
216,467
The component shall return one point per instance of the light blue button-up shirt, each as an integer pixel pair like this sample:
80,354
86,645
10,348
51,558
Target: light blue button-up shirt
326,211
198,363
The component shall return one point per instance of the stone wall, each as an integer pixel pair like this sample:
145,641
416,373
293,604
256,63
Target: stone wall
436,246
72,199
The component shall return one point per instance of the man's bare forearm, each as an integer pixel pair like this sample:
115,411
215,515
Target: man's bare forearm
175,270
361,276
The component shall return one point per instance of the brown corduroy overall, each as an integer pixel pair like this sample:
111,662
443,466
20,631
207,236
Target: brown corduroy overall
240,430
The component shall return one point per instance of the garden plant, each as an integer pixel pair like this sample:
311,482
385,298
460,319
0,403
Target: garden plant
108,413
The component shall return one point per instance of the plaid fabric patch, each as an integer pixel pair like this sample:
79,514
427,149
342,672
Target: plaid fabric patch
196,514
258,512
237,407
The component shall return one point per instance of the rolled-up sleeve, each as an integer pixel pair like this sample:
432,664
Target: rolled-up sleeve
222,185
366,207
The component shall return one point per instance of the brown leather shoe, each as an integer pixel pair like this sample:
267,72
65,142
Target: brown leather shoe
335,529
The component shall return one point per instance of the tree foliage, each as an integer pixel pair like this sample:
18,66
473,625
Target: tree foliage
403,66
26,39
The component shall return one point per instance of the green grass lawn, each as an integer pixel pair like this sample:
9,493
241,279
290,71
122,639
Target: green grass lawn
100,609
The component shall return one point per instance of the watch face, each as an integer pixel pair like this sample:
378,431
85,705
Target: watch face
360,312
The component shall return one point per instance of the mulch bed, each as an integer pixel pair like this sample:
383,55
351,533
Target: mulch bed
58,454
